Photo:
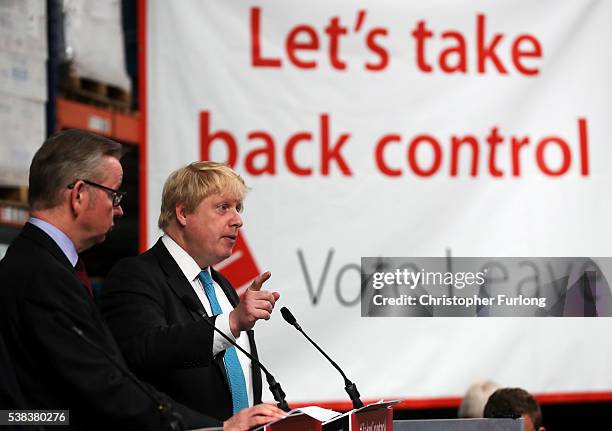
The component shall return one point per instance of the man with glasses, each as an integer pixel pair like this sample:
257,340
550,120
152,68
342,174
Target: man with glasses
62,354
116,195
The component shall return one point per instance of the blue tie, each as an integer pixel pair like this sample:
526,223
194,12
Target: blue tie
233,369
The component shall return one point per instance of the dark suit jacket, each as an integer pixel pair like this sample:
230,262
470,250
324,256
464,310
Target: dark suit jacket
142,303
53,367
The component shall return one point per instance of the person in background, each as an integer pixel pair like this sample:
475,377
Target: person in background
515,402
477,395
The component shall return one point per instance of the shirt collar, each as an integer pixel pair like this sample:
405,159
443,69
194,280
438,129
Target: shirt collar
188,265
61,239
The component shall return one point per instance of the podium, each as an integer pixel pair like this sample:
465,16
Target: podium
379,417
298,421
459,425
373,417
374,421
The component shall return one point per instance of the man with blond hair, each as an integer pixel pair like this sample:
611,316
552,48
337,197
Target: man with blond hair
164,341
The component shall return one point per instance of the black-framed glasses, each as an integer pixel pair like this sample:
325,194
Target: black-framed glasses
116,195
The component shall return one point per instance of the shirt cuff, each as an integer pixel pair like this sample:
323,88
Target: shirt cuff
220,343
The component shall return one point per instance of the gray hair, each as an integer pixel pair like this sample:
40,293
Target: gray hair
62,159
475,399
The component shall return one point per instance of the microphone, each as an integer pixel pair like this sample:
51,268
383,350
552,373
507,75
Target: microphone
165,409
349,387
275,387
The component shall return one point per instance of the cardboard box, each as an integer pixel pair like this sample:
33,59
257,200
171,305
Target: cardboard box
23,27
22,122
94,39
23,76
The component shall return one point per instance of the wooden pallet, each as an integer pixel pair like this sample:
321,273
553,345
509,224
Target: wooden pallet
13,215
14,209
17,196
90,91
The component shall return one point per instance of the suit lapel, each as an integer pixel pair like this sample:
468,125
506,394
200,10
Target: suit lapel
227,288
256,370
182,287
40,237
174,276
37,235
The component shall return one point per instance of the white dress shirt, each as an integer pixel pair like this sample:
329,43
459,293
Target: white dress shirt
191,270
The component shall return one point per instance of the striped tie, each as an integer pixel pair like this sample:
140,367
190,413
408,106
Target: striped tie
233,369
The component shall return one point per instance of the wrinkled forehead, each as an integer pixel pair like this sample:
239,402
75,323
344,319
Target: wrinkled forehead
233,194
234,198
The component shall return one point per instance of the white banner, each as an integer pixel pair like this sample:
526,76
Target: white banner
389,128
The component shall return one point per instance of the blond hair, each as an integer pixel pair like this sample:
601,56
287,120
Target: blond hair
193,183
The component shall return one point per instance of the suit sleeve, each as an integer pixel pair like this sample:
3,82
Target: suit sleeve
11,395
134,306
92,380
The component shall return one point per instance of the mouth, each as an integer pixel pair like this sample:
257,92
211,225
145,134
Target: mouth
231,238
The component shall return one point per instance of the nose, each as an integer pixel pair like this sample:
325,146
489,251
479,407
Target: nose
236,220
117,211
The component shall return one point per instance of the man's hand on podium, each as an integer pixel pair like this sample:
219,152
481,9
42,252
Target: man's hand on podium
252,417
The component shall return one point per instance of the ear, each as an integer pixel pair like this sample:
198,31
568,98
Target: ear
77,197
181,214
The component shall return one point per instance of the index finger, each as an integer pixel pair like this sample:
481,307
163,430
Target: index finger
260,280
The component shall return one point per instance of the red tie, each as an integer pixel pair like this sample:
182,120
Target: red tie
82,273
